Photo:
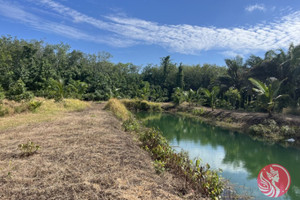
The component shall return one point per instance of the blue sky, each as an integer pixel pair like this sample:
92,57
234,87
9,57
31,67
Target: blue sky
143,31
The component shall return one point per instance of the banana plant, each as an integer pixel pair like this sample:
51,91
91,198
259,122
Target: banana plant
270,92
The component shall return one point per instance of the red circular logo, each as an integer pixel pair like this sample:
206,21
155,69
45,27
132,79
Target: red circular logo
274,180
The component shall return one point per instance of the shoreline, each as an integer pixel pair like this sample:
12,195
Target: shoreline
258,126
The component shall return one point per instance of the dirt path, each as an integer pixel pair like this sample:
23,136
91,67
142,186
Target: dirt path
83,155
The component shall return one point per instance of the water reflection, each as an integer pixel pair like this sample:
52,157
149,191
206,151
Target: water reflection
240,157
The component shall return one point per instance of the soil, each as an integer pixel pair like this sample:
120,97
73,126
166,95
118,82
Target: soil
83,155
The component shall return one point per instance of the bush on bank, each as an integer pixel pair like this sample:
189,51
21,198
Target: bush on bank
200,178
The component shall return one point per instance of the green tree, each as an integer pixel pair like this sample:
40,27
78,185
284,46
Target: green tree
180,77
270,92
165,64
144,92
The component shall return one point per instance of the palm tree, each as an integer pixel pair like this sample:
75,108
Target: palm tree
178,96
210,95
270,92
190,96
58,87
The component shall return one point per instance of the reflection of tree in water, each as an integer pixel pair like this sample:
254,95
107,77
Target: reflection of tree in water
239,148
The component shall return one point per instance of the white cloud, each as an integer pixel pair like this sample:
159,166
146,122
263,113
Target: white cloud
19,14
123,31
259,7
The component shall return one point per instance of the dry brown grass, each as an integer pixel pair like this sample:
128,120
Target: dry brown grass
118,109
83,155
48,111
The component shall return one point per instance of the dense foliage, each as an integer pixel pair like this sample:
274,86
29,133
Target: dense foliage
33,68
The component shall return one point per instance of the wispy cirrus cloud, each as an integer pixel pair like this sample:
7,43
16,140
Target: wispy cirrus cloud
259,7
18,13
123,31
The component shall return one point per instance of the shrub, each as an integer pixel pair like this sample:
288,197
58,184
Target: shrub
198,112
131,125
270,127
33,105
142,105
18,92
287,131
222,103
200,178
159,166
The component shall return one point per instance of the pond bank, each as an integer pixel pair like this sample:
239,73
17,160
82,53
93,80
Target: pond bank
277,129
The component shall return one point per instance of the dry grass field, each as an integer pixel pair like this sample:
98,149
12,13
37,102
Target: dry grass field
83,155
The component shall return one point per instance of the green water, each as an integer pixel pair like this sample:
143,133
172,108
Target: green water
240,157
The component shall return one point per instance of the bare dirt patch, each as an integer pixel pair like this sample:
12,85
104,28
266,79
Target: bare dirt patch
83,155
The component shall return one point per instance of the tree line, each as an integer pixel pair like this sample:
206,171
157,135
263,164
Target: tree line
33,68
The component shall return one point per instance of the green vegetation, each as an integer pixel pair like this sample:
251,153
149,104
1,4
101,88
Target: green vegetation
33,68
211,96
28,148
268,92
271,129
200,178
141,105
12,107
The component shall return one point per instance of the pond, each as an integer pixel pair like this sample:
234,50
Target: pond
239,156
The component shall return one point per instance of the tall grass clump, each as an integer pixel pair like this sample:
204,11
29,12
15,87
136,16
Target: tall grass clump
118,109
141,105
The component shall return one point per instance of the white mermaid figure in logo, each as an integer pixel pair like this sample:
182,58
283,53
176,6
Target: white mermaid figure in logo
269,188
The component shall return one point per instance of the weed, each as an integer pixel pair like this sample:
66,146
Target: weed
28,148
131,125
33,105
8,170
198,112
159,166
